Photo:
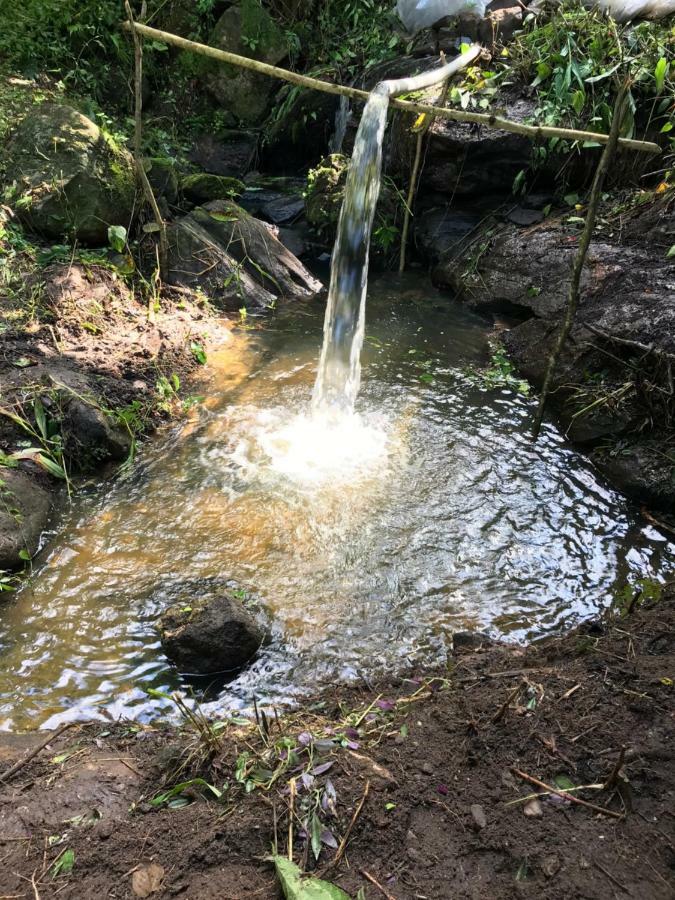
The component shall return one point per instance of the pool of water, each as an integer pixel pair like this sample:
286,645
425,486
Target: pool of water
368,542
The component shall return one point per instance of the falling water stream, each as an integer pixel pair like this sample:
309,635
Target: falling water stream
367,536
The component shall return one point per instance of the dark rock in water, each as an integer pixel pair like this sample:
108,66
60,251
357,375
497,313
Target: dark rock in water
163,178
247,29
68,178
235,259
276,200
466,641
90,438
295,239
299,130
209,635
639,468
24,508
203,187
229,153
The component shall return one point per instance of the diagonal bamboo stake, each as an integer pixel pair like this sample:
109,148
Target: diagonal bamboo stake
580,258
490,121
138,135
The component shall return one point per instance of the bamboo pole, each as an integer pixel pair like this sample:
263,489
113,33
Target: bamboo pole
138,148
535,132
580,258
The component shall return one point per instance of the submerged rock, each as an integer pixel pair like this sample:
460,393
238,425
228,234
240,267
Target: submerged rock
68,179
247,29
236,259
24,508
209,634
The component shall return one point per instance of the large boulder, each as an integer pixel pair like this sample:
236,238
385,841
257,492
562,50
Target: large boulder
202,187
230,152
276,200
24,509
235,259
67,178
209,631
300,129
90,437
247,29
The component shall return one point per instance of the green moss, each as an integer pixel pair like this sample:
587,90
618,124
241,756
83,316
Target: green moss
201,188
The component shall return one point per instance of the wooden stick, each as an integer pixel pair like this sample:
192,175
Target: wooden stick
501,712
138,140
536,132
580,258
614,774
377,884
7,774
565,795
343,843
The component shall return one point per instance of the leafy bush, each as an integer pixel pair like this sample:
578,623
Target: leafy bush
575,57
350,35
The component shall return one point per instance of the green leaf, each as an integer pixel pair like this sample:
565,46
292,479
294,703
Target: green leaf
40,417
198,352
578,100
660,73
667,127
671,253
563,783
296,887
117,237
64,864
315,835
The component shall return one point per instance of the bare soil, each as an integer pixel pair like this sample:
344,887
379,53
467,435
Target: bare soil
430,794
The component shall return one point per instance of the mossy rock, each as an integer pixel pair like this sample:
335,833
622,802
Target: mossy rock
202,187
325,190
246,28
67,178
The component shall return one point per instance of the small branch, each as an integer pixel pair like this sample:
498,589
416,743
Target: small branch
501,712
7,774
625,342
547,787
580,258
343,843
141,174
536,132
377,884
611,781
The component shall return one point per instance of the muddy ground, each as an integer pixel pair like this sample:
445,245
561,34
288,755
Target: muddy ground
429,790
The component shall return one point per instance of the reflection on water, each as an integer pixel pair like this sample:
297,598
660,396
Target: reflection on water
368,546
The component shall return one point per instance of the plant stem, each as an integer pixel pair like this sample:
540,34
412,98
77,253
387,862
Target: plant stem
582,251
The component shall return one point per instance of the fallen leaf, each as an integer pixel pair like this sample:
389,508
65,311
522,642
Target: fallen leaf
295,887
147,880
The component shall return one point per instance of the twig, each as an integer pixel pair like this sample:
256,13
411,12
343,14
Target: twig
343,843
505,705
536,132
138,139
565,795
580,258
610,876
291,785
377,884
614,774
7,774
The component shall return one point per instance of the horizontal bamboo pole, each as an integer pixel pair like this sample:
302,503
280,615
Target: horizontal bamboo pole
455,115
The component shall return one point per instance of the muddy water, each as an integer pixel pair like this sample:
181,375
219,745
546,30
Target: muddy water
367,546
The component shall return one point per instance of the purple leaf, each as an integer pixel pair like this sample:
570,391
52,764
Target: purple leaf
305,739
328,838
324,746
352,734
442,789
307,780
323,767
352,745
386,705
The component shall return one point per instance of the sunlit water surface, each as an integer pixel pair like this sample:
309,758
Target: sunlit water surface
368,542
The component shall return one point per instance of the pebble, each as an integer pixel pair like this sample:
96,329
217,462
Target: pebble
478,816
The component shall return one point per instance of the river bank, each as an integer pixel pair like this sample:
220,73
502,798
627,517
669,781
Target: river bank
424,779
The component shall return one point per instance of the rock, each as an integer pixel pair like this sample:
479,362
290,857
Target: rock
300,129
470,640
163,178
550,865
441,230
228,153
533,809
90,437
638,468
69,179
235,259
276,200
24,509
500,25
203,187
209,634
247,29
478,816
